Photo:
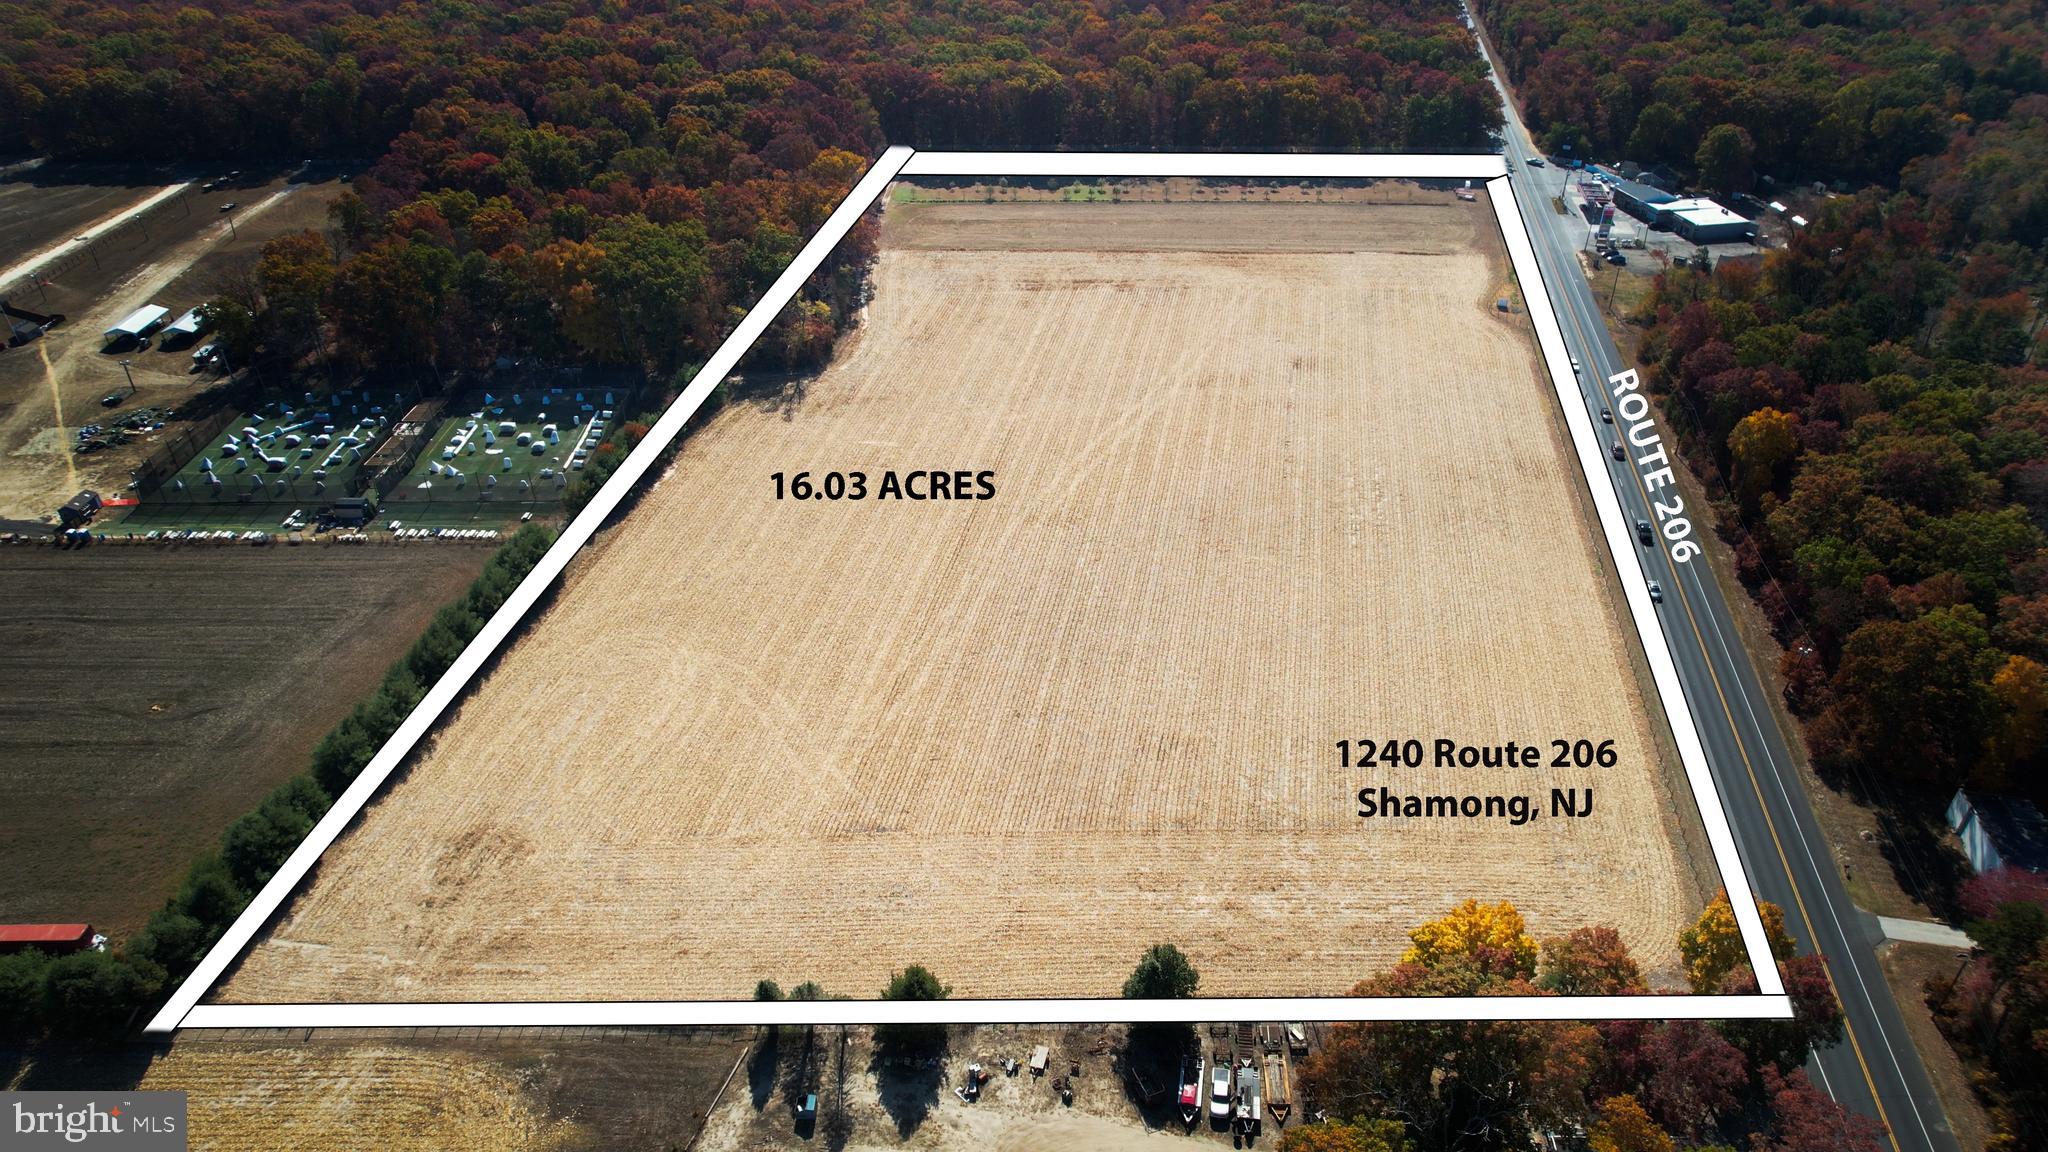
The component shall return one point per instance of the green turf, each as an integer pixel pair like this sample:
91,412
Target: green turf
295,485
506,460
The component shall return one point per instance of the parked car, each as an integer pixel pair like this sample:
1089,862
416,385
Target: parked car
1643,532
1616,258
204,352
1656,592
1219,1092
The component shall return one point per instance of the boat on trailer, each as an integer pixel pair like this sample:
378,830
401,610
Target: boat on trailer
1191,1088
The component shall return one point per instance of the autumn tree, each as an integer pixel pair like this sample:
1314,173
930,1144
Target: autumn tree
295,271
1492,936
1713,947
1913,695
1339,1136
1724,158
1804,1119
1623,1126
1589,961
2019,732
1760,445
388,301
1816,1021
232,329
1455,1084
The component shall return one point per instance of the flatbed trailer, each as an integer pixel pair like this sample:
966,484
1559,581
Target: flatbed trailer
1278,1078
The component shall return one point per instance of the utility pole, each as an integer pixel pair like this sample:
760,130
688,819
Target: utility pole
129,375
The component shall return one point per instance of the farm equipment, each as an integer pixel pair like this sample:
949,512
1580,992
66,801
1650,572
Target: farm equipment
1039,1056
970,1089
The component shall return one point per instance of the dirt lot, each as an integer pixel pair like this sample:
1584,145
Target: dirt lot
44,204
516,1089
53,386
1248,504
897,1104
148,696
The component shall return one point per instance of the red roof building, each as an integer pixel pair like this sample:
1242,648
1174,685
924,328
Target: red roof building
48,937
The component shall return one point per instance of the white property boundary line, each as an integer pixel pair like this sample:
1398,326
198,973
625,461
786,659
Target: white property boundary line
183,1009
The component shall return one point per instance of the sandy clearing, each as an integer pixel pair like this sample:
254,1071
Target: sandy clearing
1249,504
42,473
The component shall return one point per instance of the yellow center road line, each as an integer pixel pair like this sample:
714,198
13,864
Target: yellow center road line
64,444
1749,769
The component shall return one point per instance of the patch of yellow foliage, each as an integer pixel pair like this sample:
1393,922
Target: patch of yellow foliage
1469,927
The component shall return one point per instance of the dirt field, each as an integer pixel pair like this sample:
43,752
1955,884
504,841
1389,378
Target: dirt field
881,1104
513,1090
1248,504
150,696
52,386
44,204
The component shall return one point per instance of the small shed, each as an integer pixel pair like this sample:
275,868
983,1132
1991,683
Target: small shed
1999,831
80,509
186,327
351,511
46,937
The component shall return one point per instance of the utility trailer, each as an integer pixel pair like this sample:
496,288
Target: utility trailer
1278,1101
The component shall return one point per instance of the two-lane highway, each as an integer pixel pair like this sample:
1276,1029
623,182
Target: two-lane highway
1875,1070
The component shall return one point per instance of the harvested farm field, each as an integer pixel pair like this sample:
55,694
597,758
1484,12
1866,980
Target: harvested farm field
156,693
530,1090
1266,477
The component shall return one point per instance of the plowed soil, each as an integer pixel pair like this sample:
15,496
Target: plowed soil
1282,481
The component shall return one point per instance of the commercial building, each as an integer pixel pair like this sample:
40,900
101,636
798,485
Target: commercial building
1640,200
1705,222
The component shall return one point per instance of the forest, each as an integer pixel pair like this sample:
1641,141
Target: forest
616,180
1869,400
598,180
1868,404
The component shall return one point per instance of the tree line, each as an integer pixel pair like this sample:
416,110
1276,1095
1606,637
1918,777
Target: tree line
1491,1086
1868,405
1839,90
581,180
100,996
